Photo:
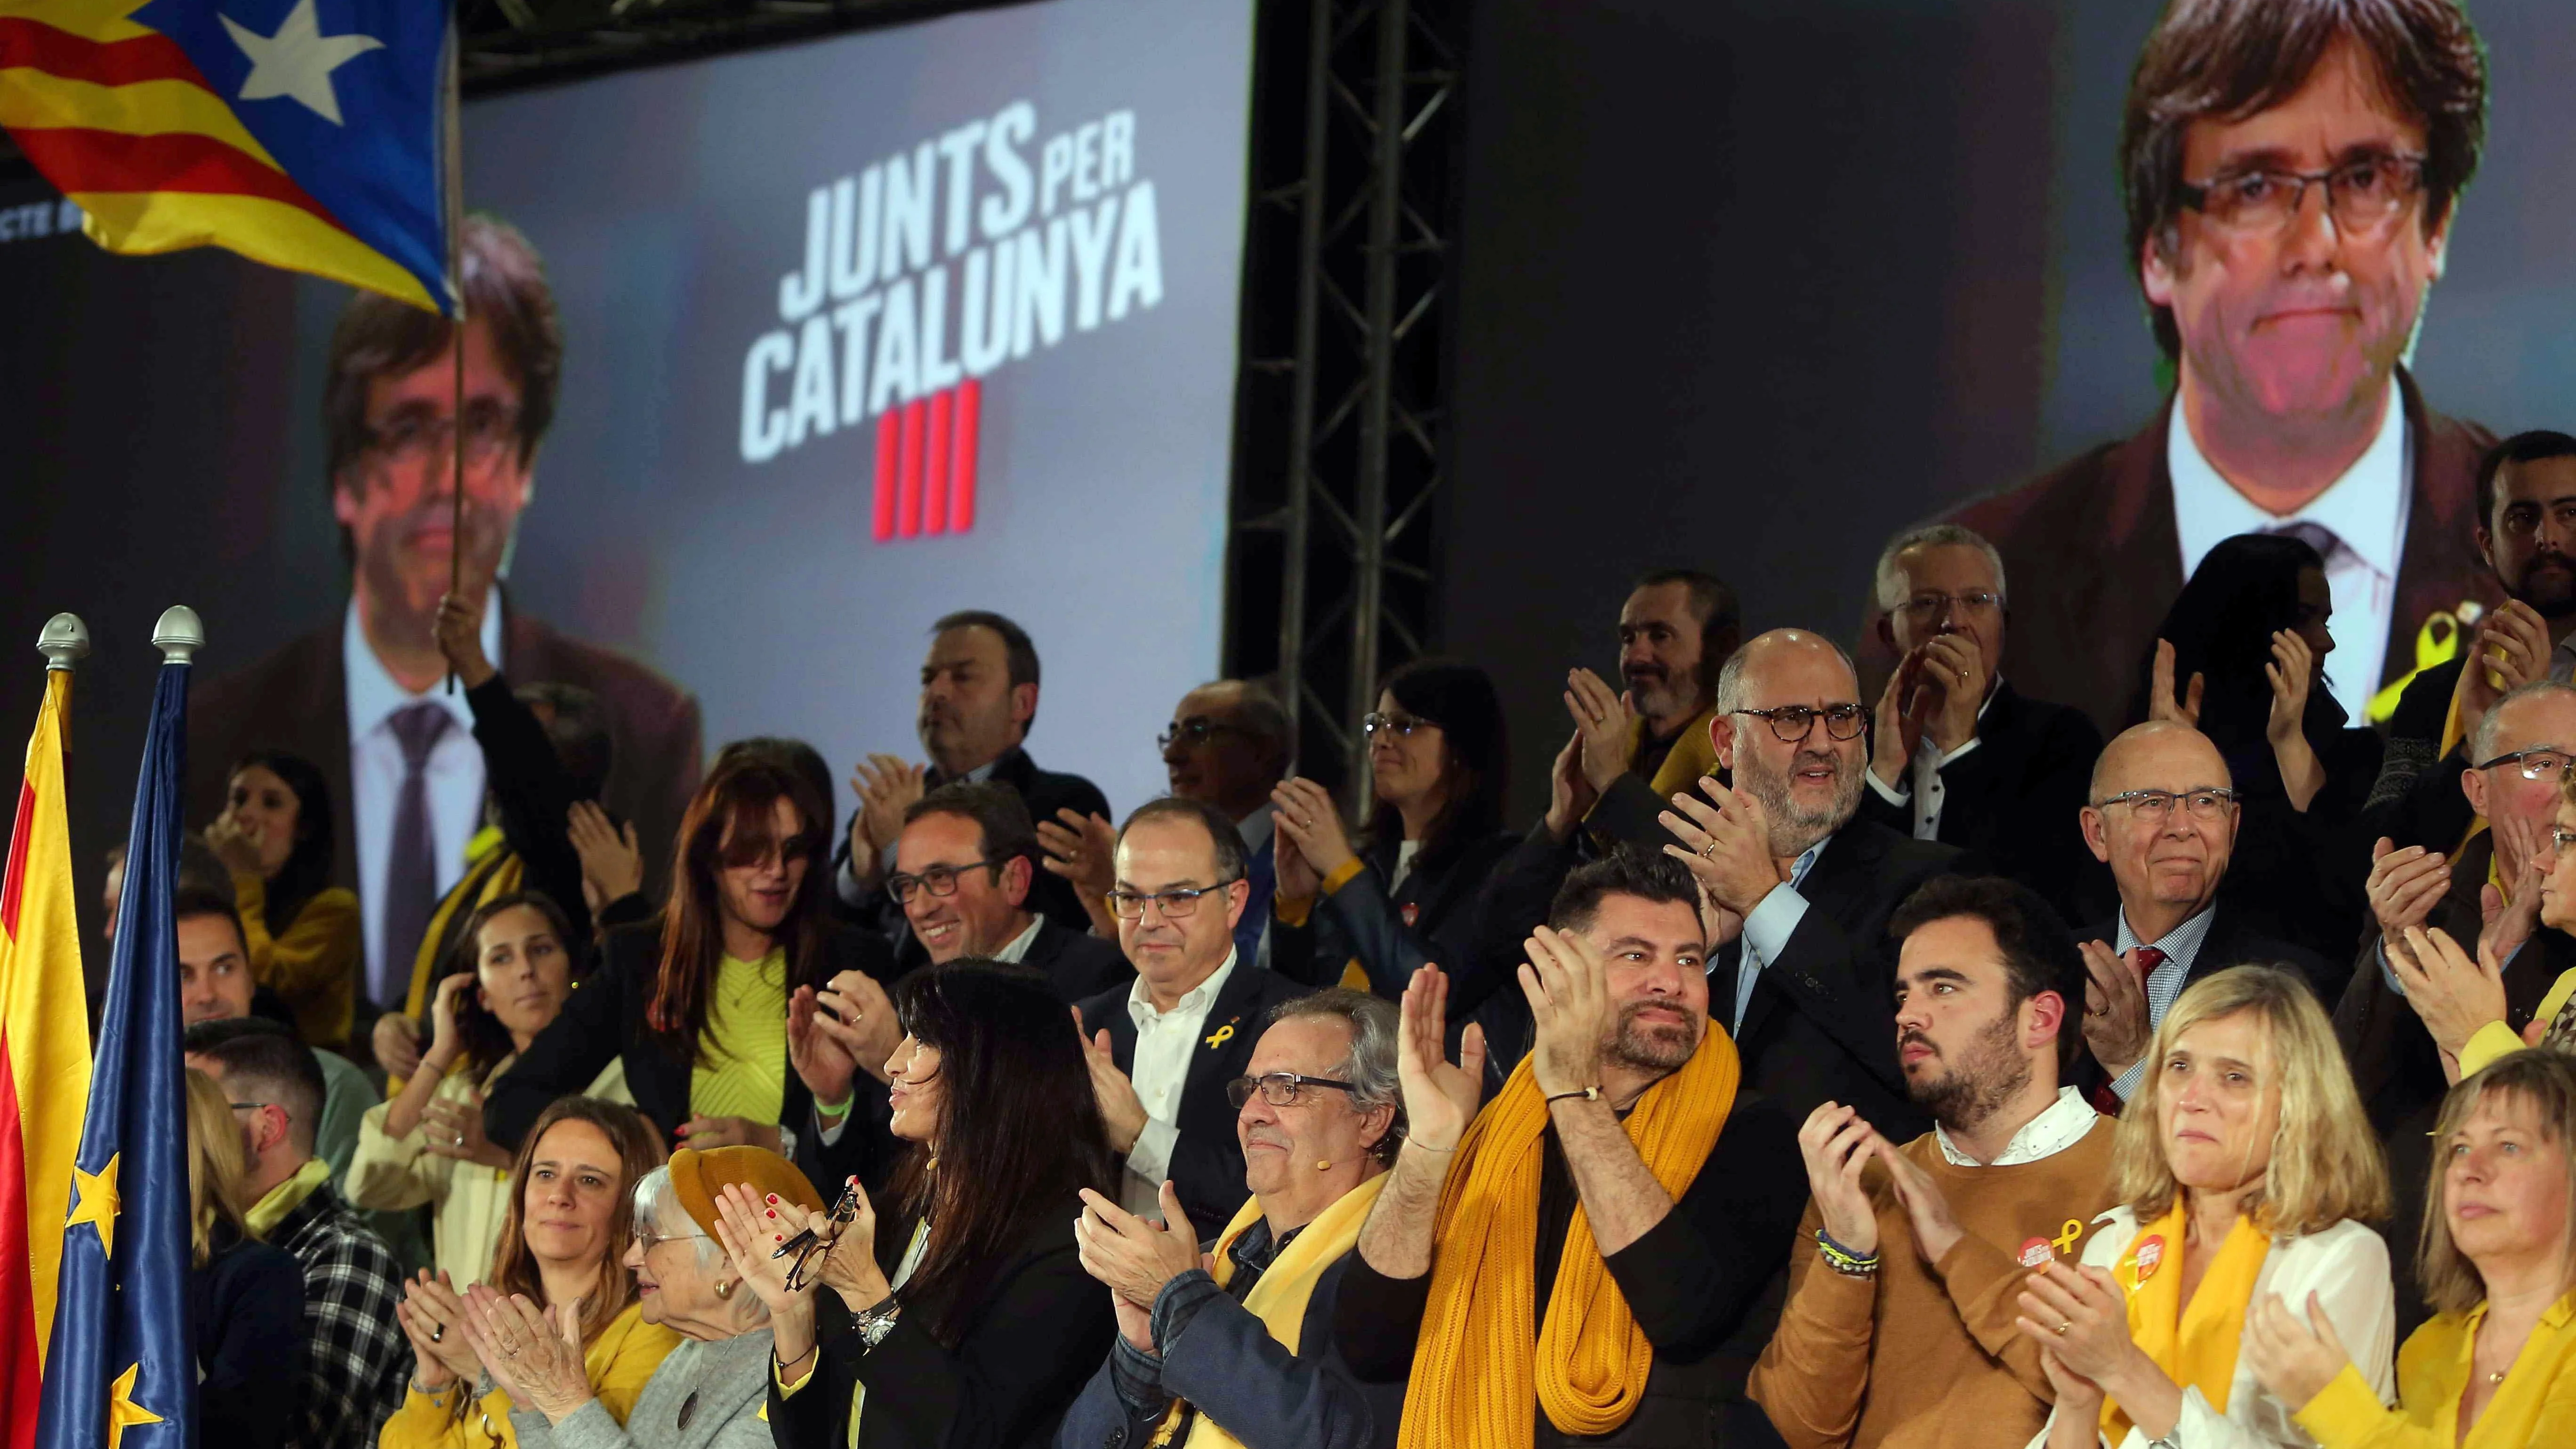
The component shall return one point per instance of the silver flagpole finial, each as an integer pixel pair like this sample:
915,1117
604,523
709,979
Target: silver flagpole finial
179,634
65,641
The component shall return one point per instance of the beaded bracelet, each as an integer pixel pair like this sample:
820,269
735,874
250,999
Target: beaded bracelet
1843,1260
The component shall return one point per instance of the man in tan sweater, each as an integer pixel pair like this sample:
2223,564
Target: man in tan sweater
1899,1325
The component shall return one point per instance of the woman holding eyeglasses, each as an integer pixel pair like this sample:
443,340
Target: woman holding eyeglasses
2241,657
563,1233
2246,1172
742,1012
971,1322
1369,916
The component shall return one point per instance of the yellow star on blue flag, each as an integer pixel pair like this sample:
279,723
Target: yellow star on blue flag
122,1410
94,1201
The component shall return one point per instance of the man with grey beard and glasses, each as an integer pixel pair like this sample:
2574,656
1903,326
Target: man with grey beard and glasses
1805,978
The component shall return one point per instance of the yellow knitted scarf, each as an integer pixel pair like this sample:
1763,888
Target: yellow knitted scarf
1279,1300
1475,1374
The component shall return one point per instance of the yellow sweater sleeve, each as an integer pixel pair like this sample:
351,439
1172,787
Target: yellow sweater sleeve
2495,1039
425,1421
313,964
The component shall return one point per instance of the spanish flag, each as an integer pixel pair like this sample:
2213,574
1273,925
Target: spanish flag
316,135
44,1066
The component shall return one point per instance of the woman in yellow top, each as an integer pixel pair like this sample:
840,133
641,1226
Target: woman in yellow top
427,1144
743,1010
303,933
2496,1365
562,1246
2247,1169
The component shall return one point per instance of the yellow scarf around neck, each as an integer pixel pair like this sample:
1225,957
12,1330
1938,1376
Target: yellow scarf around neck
1279,1300
1475,1373
2194,1345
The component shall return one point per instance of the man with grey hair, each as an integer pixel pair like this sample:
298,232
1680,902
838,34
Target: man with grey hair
1319,1115
1956,753
2487,891
1806,986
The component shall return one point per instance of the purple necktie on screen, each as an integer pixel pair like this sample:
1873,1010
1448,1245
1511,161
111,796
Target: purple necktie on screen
2315,535
411,873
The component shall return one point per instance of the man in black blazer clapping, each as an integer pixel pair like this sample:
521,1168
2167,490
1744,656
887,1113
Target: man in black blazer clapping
962,872
1806,982
1163,1048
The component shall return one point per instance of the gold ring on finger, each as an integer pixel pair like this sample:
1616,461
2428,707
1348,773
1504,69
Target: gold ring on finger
1708,851
2061,1328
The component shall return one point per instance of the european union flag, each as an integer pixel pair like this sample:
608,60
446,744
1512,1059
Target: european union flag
122,1371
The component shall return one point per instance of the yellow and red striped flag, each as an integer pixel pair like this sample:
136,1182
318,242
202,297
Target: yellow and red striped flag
44,1066
310,134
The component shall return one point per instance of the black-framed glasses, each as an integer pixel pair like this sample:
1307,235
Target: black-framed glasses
2541,762
1403,725
939,880
414,439
1279,1089
1198,729
1974,604
1178,903
2361,195
811,1247
2206,804
1791,723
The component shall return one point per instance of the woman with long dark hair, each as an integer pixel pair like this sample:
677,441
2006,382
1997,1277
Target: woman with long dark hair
303,934
1438,760
743,1011
563,1238
512,972
2241,658
973,1323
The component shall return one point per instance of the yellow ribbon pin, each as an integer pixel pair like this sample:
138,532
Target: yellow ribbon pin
1221,1036
2438,642
2067,1236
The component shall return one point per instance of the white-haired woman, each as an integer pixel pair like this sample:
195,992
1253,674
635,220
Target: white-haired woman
2246,1170
708,1393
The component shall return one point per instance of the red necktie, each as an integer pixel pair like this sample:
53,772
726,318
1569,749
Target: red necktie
2106,1101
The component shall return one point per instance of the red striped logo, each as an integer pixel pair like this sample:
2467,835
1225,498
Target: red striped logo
926,463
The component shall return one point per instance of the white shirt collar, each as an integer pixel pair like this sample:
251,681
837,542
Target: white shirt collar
2366,507
2061,1126
1193,1003
374,694
1020,944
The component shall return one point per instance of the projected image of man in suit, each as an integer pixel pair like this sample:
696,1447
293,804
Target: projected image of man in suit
361,697
2291,171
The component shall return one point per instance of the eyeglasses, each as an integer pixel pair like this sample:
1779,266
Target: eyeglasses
939,880
2157,804
2560,837
1924,608
1279,1089
648,1241
412,440
2362,195
1794,722
2541,763
1178,903
810,1246
1198,729
758,849
1402,724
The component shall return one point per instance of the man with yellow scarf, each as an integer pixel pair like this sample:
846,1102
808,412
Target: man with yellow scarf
1238,1353
1582,1262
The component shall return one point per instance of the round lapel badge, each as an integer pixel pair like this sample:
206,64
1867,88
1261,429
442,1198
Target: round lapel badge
2038,1253
1412,913
2151,1255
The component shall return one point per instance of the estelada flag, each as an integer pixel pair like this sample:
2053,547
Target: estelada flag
44,1065
309,134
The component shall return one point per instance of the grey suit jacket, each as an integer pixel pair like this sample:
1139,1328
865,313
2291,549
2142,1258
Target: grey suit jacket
728,1381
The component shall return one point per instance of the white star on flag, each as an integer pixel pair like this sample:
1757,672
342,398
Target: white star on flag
298,60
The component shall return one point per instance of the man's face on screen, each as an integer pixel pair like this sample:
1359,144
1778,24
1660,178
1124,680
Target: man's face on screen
2303,320
398,499
970,710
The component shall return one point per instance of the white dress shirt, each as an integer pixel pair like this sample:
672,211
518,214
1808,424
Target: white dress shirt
2366,509
1019,945
2061,1126
2346,1267
455,781
1165,1044
1767,929
2181,946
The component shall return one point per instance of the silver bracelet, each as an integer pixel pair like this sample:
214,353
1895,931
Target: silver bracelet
873,1324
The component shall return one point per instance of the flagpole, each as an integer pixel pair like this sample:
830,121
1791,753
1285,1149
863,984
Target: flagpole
64,643
453,132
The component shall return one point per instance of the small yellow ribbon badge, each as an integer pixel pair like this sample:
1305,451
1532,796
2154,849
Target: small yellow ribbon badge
1221,1036
2067,1236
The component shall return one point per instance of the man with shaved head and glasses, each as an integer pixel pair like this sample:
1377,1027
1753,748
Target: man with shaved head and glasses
1802,971
2291,171
2163,816
1163,1048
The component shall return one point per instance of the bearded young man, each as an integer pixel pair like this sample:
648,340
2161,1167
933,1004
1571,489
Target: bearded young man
1899,1329
1804,987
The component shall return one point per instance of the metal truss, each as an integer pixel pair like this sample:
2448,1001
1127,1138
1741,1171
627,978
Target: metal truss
1340,449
